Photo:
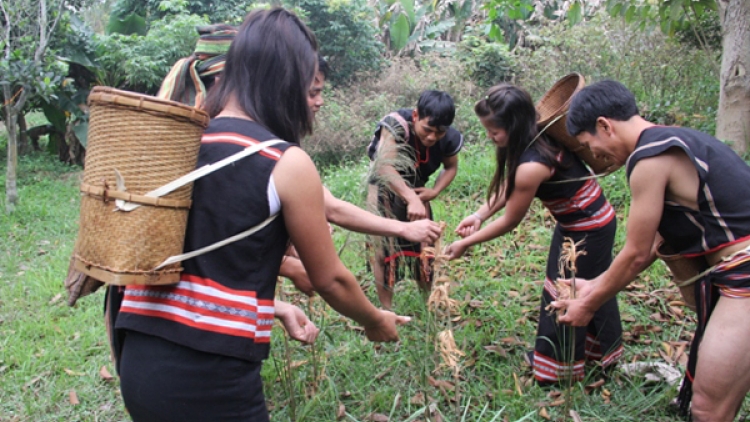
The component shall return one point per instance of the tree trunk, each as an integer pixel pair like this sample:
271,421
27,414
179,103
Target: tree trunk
76,151
11,190
733,119
23,139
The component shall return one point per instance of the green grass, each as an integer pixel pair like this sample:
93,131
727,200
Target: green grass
48,350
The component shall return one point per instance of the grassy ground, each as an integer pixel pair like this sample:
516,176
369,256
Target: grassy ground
54,359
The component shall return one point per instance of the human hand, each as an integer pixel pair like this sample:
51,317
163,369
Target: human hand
582,286
425,230
291,251
468,225
455,250
426,194
577,313
296,323
384,330
415,210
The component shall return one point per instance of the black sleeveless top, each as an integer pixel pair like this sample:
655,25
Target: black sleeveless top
426,160
723,215
224,302
577,205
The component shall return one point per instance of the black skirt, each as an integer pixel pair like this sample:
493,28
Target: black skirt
162,381
600,343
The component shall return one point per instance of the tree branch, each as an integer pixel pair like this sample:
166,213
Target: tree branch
44,31
7,29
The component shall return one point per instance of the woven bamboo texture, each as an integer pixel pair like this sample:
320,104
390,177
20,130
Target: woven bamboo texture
555,103
150,142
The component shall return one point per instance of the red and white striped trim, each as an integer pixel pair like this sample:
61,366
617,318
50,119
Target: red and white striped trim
548,369
204,304
585,196
233,138
613,357
594,352
600,219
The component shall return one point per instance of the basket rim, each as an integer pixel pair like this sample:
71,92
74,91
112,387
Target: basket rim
581,82
105,95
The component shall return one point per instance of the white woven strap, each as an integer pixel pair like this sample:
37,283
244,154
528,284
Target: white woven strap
177,258
122,205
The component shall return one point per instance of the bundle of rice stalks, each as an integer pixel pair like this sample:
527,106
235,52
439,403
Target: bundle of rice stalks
440,301
449,352
567,265
569,255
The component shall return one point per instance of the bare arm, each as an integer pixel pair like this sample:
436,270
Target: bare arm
296,323
648,183
528,178
444,179
351,217
301,194
292,268
469,225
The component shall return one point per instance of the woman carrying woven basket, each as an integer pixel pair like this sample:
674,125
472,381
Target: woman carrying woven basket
193,351
530,164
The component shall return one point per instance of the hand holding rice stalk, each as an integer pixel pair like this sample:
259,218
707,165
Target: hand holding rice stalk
566,289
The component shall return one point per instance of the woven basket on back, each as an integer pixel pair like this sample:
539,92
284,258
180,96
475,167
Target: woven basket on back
552,110
149,142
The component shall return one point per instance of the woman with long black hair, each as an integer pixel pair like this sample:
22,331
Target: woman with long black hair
193,351
529,165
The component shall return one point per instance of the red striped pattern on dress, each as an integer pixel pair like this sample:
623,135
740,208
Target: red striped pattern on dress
548,369
585,196
244,141
598,220
594,352
204,304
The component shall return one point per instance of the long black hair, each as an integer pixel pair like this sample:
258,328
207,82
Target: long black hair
510,108
269,69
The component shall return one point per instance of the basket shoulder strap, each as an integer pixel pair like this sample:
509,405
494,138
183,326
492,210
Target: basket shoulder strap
177,258
402,122
198,173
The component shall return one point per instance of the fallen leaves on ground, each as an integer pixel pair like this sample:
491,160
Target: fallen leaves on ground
73,398
104,374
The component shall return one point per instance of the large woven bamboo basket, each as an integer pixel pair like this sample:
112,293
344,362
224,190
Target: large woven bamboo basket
149,142
553,108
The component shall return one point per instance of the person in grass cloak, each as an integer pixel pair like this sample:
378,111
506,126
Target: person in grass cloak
531,164
408,146
693,191
193,351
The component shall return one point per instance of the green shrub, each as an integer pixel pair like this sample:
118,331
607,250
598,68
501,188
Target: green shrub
674,83
486,63
140,63
346,36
